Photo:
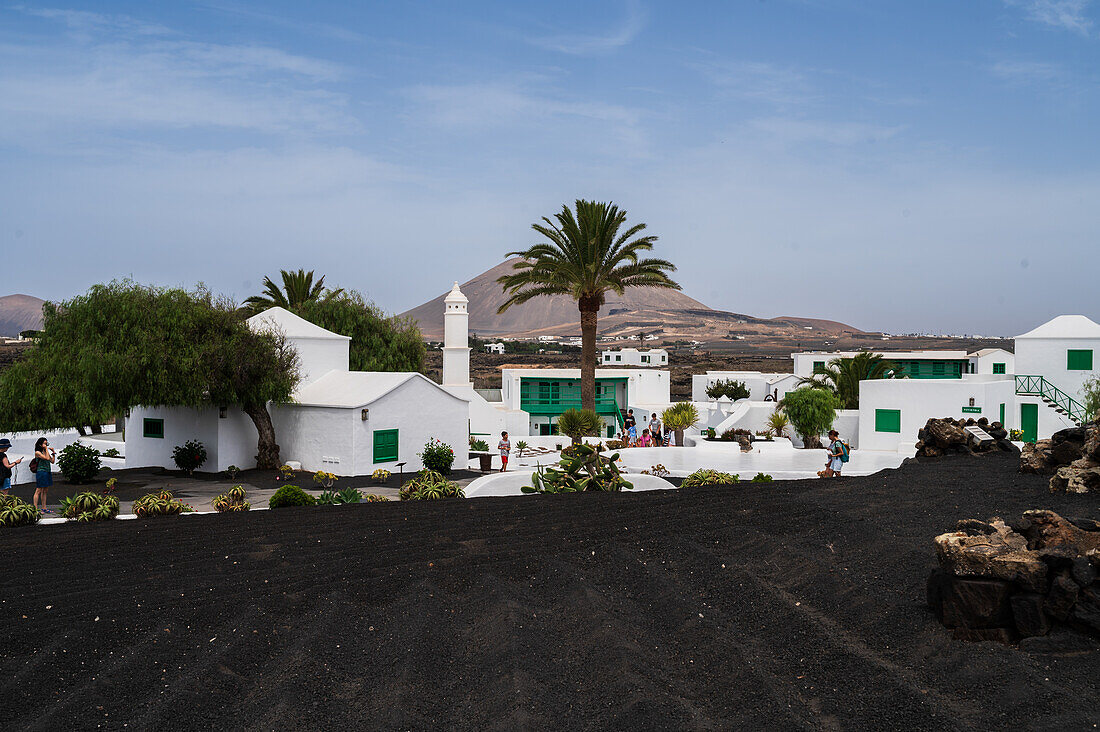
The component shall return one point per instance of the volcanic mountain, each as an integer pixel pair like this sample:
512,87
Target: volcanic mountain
19,313
668,314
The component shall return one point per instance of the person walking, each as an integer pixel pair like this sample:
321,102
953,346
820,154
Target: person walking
655,430
838,451
42,464
6,466
505,447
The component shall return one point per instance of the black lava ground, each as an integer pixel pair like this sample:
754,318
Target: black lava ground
786,605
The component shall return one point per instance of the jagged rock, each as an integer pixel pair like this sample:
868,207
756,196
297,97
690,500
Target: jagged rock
942,436
1048,529
1002,555
1035,457
1062,597
1081,476
1083,571
1065,452
976,603
1028,615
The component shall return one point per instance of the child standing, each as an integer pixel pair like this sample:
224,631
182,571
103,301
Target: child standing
505,447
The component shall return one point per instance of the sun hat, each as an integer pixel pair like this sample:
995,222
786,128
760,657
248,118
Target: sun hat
4,442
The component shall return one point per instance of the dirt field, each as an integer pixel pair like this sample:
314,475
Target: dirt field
793,605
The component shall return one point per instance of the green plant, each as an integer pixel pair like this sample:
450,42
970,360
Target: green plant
429,485
761,478
232,471
709,477
372,498
765,435
437,456
298,288
327,498
777,423
379,342
324,479
586,469
659,470
520,447
380,476
14,511
679,417
349,495
1016,435
189,456
1090,396
160,504
232,500
616,445
100,507
286,472
709,432
812,413
109,486
578,423
842,376
477,445
729,389
586,255
111,453
733,433
78,462
290,495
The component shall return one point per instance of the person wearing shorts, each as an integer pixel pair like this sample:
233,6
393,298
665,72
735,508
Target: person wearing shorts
833,463
505,447
6,466
44,456
655,430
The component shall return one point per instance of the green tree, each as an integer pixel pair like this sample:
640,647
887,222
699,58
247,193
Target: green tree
298,288
1090,393
579,423
121,345
588,255
379,342
728,388
812,413
842,376
679,417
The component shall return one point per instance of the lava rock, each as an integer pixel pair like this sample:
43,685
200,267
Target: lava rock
1083,571
1063,596
1028,614
977,635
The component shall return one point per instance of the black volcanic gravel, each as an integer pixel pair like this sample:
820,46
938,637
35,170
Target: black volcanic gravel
786,605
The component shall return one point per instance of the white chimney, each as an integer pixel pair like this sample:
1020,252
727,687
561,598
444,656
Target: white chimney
456,340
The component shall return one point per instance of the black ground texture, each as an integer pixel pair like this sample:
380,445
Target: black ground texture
785,605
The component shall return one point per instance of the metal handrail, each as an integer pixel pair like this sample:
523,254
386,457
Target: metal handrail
1035,385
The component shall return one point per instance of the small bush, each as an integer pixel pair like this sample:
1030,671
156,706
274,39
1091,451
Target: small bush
189,456
349,495
78,462
429,485
160,504
290,495
380,476
14,511
728,388
1016,435
233,500
616,445
324,479
372,498
112,453
761,478
437,456
232,471
478,445
286,472
709,477
109,486
659,470
97,506
732,434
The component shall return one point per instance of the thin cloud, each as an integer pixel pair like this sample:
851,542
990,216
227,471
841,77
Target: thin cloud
845,134
86,21
319,29
1066,14
1030,72
757,81
588,45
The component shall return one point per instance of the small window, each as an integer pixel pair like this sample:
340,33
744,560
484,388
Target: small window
618,357
385,446
152,428
645,359
998,368
819,367
1079,360
887,420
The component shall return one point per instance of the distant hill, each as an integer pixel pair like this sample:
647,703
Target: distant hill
668,314
19,313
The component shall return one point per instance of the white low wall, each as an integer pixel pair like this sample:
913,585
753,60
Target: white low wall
22,446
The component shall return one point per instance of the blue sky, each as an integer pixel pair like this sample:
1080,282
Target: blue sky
903,166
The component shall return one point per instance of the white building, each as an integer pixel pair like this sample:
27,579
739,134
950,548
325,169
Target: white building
762,386
614,358
1052,363
494,348
342,421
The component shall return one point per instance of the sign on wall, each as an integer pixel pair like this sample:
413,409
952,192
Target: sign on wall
972,410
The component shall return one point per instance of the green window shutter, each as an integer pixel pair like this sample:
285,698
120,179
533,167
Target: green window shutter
887,420
998,368
152,428
1079,360
1003,416
385,446
938,368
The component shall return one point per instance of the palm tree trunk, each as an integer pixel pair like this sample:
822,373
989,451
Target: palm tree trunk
590,308
267,450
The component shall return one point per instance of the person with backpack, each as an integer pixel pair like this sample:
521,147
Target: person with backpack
41,466
838,455
6,466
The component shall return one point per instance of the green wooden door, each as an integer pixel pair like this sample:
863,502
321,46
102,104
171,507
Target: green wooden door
385,446
1029,421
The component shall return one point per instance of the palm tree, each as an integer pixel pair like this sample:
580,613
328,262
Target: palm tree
842,376
587,256
298,287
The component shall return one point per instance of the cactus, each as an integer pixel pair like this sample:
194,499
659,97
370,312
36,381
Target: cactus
585,468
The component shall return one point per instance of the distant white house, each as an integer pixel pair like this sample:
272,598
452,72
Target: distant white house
634,357
494,348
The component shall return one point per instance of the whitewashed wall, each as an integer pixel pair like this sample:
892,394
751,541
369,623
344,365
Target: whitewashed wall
318,356
22,446
1046,357
320,438
419,410
180,425
984,364
237,438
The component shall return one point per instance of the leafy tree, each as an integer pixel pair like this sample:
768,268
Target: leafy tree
587,256
379,342
679,417
298,288
578,423
728,388
842,376
1090,393
122,344
812,413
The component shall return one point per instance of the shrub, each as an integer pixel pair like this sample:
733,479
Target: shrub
349,495
97,506
290,495
232,471
78,462
709,432
777,423
112,453
429,485
659,470
616,445
286,472
478,445
1016,435
14,511
324,479
1090,395
709,477
232,500
578,423
765,435
586,469
679,417
520,447
327,498
728,388
380,476
160,504
761,478
189,456
437,456
812,413
733,433
372,498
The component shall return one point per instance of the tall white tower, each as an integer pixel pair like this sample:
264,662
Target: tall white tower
456,340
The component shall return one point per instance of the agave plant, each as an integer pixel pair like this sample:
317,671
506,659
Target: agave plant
584,469
14,511
372,498
709,477
327,498
348,495
579,423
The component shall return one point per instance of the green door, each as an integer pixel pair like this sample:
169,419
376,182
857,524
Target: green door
1029,421
1003,417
